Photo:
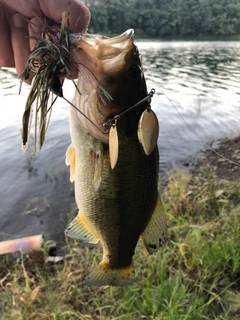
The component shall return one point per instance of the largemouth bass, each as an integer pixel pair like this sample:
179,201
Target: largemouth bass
115,168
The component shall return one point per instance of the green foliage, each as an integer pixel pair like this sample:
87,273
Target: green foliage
159,18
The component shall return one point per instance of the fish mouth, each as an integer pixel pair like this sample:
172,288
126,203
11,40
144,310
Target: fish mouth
105,54
113,48
112,68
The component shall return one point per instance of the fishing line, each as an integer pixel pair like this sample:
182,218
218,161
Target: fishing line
112,121
191,129
83,114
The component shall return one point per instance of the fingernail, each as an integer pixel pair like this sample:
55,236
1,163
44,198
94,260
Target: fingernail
18,21
35,25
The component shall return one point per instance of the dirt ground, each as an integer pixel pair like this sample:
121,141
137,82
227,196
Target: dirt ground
228,164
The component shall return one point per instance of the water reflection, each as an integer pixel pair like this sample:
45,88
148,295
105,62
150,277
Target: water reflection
208,63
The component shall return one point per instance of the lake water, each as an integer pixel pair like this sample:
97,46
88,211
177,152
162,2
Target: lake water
195,81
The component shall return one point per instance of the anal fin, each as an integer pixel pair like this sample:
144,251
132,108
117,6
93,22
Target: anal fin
105,275
80,229
71,160
155,234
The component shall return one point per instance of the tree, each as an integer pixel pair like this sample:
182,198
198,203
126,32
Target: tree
155,18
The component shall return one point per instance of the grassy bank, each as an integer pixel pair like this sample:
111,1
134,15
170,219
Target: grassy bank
195,276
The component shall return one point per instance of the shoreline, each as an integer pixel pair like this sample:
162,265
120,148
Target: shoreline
229,149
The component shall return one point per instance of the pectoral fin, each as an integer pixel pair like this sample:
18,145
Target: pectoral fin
155,234
148,130
80,229
71,160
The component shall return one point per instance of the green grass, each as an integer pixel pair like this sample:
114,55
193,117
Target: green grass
195,276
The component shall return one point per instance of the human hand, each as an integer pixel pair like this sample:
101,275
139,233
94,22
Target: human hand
15,47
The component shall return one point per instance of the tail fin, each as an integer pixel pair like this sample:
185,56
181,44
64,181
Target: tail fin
104,275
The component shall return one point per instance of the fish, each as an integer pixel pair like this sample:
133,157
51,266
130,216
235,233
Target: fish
114,158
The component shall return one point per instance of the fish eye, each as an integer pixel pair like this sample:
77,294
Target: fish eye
135,71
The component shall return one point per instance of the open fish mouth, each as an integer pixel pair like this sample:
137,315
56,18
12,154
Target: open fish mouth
110,50
111,63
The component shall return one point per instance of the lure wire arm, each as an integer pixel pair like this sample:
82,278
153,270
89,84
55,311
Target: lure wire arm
107,125
112,122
